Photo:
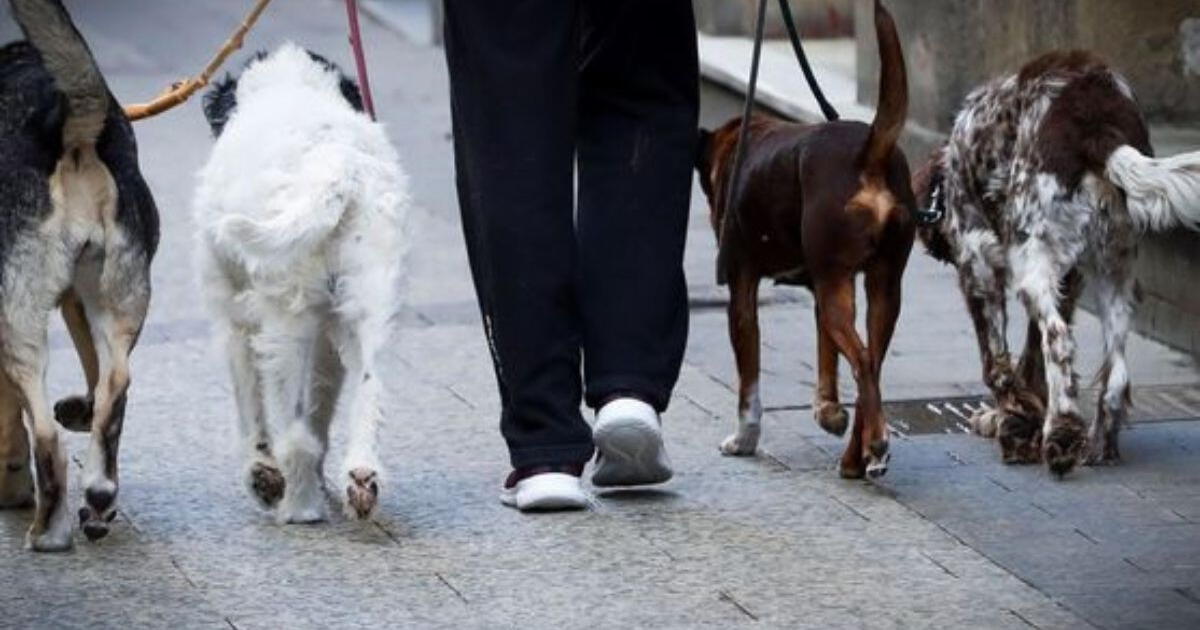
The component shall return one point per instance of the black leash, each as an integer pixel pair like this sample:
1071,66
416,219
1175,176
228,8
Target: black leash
730,220
794,35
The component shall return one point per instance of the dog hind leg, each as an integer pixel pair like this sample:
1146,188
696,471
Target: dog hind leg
328,375
1024,406
358,342
25,305
263,477
1031,369
884,281
284,349
827,410
262,474
16,471
1037,275
982,283
835,297
74,413
982,276
1115,294
235,324
25,361
116,303
744,335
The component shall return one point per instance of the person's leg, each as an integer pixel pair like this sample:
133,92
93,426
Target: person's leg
513,93
638,104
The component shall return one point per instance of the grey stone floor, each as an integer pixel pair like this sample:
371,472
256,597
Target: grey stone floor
950,538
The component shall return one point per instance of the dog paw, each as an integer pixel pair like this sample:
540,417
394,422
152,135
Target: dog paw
1103,452
74,413
1020,439
362,493
50,532
301,514
1102,459
741,444
1063,446
99,509
306,509
49,541
93,525
985,421
852,466
877,459
266,484
831,416
304,501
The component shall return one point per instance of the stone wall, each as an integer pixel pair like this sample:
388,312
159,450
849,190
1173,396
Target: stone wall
815,18
953,45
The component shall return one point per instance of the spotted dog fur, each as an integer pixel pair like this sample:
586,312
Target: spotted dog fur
1047,177
78,228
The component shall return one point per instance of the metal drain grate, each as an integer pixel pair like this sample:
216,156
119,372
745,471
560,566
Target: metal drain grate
1155,403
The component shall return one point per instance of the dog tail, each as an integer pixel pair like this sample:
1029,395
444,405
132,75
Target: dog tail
893,95
1160,193
301,217
296,227
67,58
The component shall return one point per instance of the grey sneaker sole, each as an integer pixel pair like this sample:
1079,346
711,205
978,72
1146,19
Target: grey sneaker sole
631,454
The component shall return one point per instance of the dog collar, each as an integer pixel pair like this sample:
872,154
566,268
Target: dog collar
936,211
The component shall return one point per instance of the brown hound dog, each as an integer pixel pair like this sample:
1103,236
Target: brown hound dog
817,205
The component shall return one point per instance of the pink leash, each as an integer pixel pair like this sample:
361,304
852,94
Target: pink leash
360,59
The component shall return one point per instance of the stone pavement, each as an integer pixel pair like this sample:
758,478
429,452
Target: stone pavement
950,538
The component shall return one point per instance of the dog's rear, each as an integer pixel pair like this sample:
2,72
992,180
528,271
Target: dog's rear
301,209
81,229
817,205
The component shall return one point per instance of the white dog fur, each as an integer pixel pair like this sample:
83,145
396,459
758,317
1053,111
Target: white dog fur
300,212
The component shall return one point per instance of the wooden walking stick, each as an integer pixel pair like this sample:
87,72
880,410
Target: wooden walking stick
182,90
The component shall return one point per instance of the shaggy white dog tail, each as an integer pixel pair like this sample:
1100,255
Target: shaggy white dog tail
1161,193
296,220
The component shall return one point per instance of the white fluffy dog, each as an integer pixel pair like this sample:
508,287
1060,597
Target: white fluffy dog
300,210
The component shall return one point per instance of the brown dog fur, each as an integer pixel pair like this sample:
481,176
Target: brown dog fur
816,206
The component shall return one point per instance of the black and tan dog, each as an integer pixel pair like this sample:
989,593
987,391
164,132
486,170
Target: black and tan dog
817,205
78,228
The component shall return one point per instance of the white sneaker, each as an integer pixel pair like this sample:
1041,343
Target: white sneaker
628,436
544,491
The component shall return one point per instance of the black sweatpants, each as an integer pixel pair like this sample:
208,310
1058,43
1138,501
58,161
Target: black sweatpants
538,89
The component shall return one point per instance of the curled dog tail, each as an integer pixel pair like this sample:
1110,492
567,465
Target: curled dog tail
1160,193
893,95
297,217
67,58
294,222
